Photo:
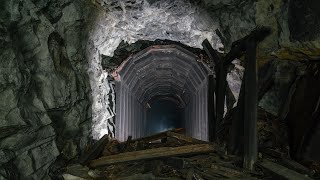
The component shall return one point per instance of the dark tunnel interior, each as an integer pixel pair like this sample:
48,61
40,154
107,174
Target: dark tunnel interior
163,115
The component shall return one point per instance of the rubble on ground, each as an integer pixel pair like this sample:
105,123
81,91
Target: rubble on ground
172,155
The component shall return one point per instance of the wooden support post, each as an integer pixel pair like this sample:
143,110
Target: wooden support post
237,127
216,61
220,95
250,106
245,124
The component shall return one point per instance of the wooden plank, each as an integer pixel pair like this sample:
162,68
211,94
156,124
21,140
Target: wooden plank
250,106
282,172
95,151
295,166
126,145
152,153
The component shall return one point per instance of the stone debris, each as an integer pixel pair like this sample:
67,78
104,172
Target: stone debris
172,155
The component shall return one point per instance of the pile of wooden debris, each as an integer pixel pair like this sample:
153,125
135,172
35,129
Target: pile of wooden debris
172,155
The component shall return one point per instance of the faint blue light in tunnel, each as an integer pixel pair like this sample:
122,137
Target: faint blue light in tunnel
163,116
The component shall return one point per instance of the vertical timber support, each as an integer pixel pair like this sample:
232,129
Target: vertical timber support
244,121
213,89
250,106
237,126
221,94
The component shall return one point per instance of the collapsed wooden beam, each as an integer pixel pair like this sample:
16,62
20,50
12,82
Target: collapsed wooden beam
212,53
152,153
96,150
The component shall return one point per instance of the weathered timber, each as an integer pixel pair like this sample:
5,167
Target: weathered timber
237,126
112,147
212,53
220,95
95,151
152,153
220,84
184,138
250,106
295,166
282,172
221,65
126,145
240,46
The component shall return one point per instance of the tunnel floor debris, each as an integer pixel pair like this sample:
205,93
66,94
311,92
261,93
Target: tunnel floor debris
172,155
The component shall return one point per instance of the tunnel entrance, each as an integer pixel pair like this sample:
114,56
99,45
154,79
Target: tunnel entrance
162,81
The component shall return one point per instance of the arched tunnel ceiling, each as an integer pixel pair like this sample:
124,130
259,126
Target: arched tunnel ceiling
161,71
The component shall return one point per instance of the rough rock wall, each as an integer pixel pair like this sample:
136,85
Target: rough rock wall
44,87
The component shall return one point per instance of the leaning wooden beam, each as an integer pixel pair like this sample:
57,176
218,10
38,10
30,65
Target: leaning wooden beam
240,46
95,151
212,53
152,153
282,172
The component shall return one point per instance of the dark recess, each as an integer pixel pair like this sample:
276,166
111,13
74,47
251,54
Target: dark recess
304,19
